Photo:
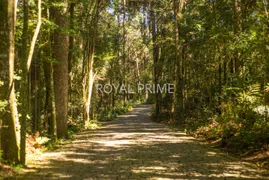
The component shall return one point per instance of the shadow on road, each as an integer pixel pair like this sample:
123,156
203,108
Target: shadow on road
134,147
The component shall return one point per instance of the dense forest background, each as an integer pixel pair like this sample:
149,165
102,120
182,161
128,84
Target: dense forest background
215,52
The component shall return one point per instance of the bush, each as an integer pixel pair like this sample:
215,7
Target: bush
110,114
243,123
73,128
93,124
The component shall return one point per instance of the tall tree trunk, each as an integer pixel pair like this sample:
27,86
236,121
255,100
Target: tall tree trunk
60,72
70,55
155,56
90,80
178,96
90,75
124,49
236,28
7,92
144,32
220,85
25,83
25,66
50,116
35,93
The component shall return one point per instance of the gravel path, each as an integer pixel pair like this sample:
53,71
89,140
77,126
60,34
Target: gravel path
134,147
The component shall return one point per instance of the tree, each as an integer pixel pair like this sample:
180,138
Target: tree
7,92
156,72
25,66
90,76
179,65
60,71
124,55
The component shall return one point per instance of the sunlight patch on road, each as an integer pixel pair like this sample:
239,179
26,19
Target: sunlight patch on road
150,169
127,115
115,143
211,153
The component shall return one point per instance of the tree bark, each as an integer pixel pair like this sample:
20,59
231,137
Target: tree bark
60,72
7,93
236,28
35,93
124,49
178,96
25,83
25,67
90,75
155,56
50,116
70,55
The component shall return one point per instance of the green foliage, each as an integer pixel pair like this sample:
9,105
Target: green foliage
73,128
17,169
243,123
108,115
53,144
3,105
42,140
1,153
93,124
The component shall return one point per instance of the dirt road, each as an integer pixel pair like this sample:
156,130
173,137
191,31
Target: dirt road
134,147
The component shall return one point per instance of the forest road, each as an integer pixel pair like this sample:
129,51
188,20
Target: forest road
135,147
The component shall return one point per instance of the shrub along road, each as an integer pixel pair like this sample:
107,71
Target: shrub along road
134,147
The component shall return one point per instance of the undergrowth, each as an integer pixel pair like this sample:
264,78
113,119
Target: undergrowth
239,125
